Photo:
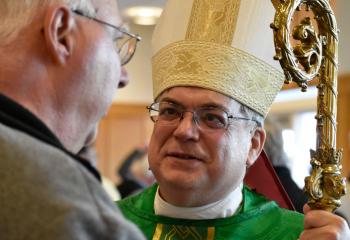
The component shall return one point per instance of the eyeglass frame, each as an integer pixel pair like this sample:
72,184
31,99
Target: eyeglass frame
195,118
123,31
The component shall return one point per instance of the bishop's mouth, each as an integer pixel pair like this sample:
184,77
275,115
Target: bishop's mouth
184,156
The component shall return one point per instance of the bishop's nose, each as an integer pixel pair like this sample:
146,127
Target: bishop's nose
187,128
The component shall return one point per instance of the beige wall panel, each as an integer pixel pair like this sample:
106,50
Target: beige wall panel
123,129
343,132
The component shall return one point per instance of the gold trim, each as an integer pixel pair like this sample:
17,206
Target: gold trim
158,232
182,233
213,20
224,69
211,233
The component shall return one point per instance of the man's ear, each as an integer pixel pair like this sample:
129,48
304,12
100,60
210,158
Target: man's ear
58,33
256,145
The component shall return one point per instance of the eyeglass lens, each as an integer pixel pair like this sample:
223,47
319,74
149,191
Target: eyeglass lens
126,47
207,118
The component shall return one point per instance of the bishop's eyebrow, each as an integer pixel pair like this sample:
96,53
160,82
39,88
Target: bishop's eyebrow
215,105
171,100
204,105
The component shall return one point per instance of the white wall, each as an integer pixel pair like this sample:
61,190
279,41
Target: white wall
139,89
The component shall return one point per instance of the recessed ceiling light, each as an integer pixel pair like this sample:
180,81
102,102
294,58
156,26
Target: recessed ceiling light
143,15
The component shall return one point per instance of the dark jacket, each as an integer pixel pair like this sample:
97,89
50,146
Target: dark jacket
46,192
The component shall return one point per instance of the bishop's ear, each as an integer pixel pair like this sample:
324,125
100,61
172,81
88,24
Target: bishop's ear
257,144
59,33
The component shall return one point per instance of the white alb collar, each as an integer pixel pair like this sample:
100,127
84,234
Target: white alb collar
223,208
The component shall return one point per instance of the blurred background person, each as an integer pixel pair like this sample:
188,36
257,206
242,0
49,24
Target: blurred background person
274,148
281,163
134,172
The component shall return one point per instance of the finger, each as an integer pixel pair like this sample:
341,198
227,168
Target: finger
320,218
323,233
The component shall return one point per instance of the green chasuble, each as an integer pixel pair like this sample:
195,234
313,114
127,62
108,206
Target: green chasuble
258,219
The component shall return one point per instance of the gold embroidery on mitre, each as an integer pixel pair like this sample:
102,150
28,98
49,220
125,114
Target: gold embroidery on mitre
220,68
213,21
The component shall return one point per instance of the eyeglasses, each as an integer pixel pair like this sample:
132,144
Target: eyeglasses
206,118
126,44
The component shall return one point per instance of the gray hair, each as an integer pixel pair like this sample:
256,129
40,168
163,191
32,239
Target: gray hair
17,14
274,144
250,113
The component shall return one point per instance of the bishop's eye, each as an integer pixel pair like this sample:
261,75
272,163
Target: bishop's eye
169,111
213,118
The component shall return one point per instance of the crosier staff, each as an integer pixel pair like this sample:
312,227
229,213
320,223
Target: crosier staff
316,56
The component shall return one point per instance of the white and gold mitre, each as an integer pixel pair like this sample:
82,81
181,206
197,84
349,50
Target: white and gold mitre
222,45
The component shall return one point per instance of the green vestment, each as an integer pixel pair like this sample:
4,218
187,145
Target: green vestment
257,219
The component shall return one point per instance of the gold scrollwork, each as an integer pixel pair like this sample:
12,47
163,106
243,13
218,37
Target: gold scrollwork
315,56
309,52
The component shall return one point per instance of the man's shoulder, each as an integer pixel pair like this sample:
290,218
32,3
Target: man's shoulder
260,219
48,195
29,157
254,201
261,208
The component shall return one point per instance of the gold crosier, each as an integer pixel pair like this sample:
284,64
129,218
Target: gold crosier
314,56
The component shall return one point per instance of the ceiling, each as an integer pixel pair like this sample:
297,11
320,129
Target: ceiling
123,4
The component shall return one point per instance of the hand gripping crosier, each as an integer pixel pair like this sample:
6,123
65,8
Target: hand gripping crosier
314,56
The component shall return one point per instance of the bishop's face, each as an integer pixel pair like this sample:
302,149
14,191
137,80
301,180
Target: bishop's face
190,160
